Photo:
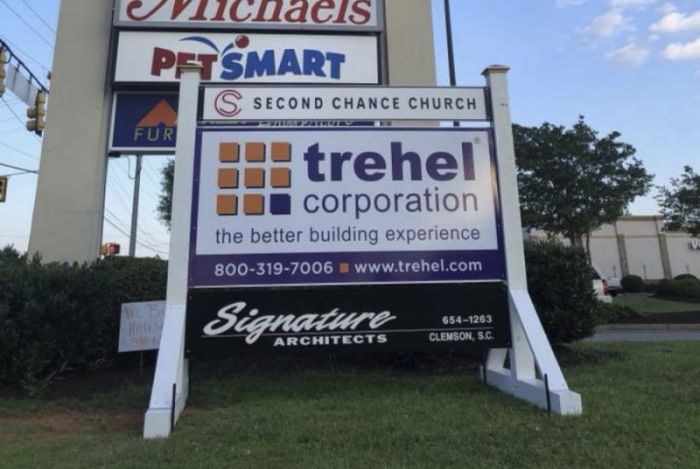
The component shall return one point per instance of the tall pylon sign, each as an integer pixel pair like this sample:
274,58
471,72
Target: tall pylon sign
308,217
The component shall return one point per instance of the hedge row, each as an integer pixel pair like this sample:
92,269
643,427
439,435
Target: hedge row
679,289
58,315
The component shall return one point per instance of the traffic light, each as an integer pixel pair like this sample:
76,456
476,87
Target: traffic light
3,188
110,249
3,73
37,114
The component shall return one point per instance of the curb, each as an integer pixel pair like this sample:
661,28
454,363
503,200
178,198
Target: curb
647,327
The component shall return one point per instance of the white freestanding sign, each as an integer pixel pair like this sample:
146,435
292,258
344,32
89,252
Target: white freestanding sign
533,373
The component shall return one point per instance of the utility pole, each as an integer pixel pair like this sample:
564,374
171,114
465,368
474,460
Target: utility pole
450,49
135,207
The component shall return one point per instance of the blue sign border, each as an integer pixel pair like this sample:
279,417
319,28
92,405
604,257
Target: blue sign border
201,273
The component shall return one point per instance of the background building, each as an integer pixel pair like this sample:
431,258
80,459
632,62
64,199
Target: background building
639,245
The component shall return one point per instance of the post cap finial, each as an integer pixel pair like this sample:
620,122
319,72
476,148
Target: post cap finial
190,68
495,69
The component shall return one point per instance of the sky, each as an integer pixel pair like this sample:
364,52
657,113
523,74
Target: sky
631,66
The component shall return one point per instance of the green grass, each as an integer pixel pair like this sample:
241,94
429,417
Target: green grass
650,305
641,410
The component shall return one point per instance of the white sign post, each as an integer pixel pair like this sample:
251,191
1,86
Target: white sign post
530,351
171,380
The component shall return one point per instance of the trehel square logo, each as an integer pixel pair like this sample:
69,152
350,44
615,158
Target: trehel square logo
246,178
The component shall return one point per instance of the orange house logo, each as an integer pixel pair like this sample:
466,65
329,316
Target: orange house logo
251,178
158,125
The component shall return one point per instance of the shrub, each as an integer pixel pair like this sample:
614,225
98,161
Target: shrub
560,285
686,277
610,312
687,289
632,284
56,316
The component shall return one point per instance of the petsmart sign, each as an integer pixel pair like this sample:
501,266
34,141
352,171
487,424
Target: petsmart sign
324,206
343,15
145,57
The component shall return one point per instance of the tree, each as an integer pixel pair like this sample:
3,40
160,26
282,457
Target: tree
165,201
680,205
572,182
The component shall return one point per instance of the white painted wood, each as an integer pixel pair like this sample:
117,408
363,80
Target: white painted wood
171,366
530,350
563,402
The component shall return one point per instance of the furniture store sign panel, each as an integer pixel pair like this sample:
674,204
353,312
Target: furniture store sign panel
325,206
146,57
343,15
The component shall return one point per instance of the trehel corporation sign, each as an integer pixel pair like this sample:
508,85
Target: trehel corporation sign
365,206
147,57
363,232
343,15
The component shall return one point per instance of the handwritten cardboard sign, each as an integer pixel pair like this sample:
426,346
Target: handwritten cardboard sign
140,326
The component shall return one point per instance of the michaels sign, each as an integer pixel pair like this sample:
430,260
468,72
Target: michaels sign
247,58
342,15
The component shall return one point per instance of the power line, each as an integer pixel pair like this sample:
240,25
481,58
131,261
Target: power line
19,169
21,173
39,16
118,197
29,56
143,245
21,152
27,23
13,111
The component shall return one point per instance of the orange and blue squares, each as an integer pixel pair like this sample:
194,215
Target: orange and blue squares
280,178
227,205
254,178
254,204
248,170
280,204
229,152
228,178
255,152
281,152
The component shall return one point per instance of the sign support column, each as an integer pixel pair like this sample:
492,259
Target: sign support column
530,351
171,367
135,207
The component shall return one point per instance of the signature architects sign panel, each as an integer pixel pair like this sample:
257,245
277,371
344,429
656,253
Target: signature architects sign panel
244,322
344,15
323,206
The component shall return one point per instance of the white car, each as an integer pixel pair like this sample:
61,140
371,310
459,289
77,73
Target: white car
600,285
